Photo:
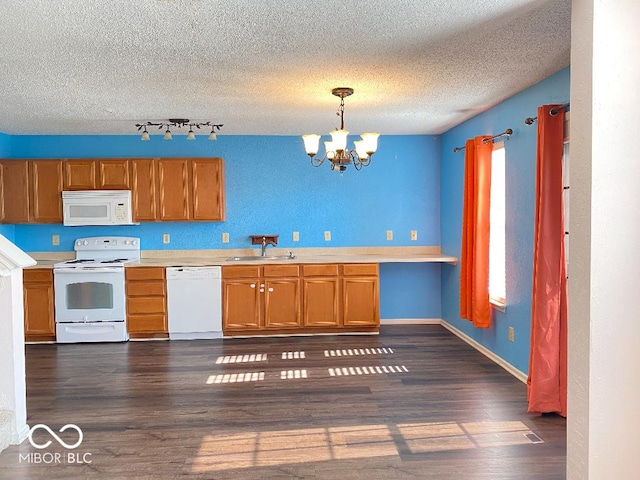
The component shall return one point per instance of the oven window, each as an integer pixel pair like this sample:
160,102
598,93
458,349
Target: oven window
89,295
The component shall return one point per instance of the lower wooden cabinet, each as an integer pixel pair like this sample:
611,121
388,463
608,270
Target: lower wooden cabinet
39,319
308,298
146,302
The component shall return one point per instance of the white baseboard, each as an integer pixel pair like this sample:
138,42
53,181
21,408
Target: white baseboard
486,352
20,437
482,349
411,321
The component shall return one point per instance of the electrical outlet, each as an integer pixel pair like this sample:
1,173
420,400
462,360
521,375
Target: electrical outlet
166,238
55,239
511,334
389,234
296,236
225,237
414,235
327,236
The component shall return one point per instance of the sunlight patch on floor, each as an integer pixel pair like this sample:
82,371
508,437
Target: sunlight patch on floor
252,357
235,377
346,371
349,352
292,374
282,447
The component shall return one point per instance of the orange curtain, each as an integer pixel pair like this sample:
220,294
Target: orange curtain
474,266
547,381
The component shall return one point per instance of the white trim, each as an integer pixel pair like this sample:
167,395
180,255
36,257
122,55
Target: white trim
19,437
486,352
411,321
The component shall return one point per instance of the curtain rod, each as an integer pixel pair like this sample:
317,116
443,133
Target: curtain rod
553,112
507,133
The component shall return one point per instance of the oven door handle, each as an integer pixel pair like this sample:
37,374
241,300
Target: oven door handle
87,270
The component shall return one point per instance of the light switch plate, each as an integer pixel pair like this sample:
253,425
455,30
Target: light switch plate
296,236
55,239
166,238
225,237
327,236
414,235
389,234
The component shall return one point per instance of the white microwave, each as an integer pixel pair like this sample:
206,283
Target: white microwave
97,207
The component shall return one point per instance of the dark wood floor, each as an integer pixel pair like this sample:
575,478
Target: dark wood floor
414,402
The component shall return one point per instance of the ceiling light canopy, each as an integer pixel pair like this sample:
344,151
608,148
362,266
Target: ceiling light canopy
178,123
336,149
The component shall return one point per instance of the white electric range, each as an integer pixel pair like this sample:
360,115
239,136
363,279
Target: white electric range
90,301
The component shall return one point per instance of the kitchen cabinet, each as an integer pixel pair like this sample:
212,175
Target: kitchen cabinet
360,292
46,191
97,174
144,190
208,189
260,297
307,298
173,189
321,296
30,191
39,320
14,191
146,302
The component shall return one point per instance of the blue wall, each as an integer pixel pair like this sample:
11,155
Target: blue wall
5,145
272,188
520,184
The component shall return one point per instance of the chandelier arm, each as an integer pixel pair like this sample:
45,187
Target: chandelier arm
357,163
317,161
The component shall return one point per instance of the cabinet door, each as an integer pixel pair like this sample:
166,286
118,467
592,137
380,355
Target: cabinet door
39,322
144,190
113,174
321,302
80,174
173,189
208,189
281,302
14,191
46,191
360,301
241,304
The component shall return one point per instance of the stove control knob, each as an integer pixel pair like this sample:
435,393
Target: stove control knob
134,242
126,242
85,243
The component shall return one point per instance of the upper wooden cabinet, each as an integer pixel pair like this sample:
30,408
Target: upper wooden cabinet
178,189
14,191
30,191
101,174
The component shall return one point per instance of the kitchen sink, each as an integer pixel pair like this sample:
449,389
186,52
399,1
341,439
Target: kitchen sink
258,258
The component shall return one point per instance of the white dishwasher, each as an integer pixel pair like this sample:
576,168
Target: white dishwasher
194,301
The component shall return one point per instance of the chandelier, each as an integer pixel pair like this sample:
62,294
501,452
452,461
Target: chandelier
178,123
336,149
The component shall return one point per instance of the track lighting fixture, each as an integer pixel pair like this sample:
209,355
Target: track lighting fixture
178,123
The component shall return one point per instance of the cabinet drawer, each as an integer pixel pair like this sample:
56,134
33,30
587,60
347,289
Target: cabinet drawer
144,273
320,270
281,270
37,275
241,271
147,323
360,269
137,305
145,288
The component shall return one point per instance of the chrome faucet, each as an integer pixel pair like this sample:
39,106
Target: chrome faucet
266,243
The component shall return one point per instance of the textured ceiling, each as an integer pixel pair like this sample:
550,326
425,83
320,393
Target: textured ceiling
268,66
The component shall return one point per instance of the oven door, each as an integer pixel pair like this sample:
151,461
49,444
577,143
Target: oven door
89,295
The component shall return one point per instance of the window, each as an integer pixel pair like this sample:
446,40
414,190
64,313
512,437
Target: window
497,250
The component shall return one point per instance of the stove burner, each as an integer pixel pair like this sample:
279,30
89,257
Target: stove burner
81,260
116,260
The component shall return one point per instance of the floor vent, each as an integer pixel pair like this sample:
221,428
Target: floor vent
533,438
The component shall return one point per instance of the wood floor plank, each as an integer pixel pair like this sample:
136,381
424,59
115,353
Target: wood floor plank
152,410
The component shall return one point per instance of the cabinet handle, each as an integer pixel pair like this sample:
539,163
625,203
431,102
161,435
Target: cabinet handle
262,285
253,285
261,290
271,289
